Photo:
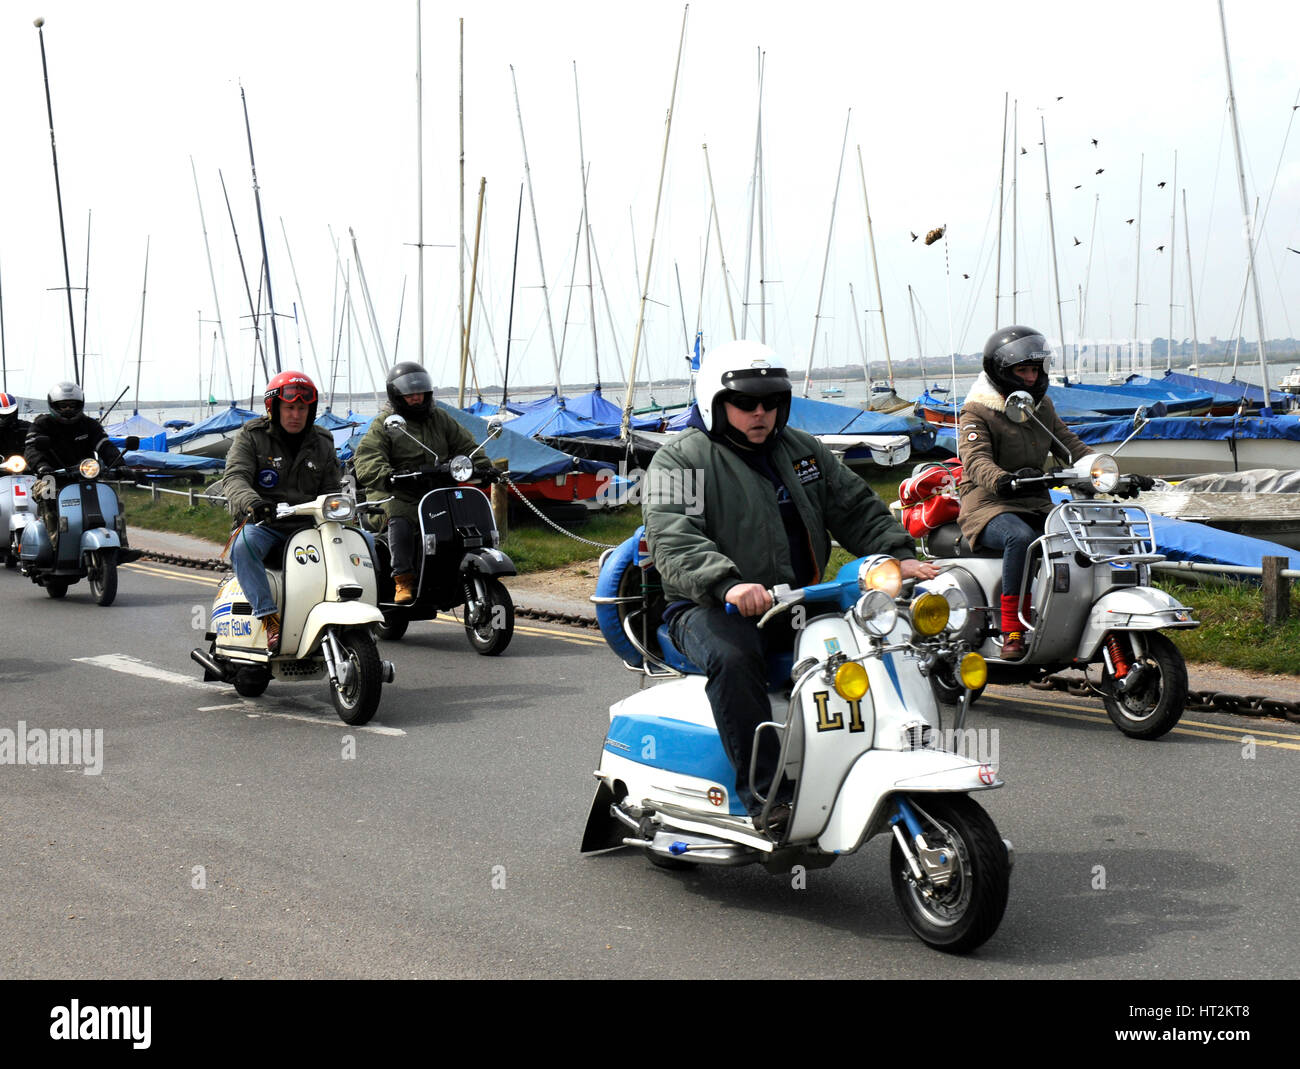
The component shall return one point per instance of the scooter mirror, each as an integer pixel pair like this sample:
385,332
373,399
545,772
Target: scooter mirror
1020,406
494,427
132,443
395,425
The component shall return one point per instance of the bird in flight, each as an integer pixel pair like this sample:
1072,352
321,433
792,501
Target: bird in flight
1100,169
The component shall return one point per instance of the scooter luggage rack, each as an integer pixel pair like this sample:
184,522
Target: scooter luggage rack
1097,528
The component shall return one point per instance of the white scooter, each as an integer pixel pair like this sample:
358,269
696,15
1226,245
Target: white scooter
326,595
859,733
17,509
1093,606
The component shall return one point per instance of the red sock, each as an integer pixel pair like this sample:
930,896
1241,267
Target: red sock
1010,618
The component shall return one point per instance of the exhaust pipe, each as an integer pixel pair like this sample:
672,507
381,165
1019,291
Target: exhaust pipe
212,672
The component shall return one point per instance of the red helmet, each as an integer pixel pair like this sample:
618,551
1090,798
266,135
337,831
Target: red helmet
291,386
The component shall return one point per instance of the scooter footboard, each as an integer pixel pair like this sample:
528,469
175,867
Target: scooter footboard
862,808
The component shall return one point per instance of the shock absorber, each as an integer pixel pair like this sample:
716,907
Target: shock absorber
1119,663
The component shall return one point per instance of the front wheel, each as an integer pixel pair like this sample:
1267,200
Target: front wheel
961,912
1155,701
357,701
490,634
102,576
393,627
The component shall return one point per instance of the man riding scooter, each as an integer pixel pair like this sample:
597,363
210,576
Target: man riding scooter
280,457
61,439
381,455
765,500
13,431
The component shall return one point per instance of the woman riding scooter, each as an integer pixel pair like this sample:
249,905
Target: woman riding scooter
996,513
280,457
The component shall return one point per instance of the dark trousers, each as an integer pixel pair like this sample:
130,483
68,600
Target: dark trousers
733,652
402,535
1012,533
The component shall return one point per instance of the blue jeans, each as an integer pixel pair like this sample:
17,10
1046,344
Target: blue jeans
1012,532
733,652
252,545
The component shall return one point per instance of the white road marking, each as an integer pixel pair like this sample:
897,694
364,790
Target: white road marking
132,666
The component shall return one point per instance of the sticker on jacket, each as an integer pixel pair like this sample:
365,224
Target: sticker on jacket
268,477
806,470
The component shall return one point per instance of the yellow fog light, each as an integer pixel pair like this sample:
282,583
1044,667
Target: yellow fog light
850,681
974,671
89,468
930,614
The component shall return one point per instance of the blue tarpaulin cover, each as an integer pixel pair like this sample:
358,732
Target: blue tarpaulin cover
229,419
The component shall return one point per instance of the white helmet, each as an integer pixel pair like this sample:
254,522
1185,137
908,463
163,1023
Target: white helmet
747,367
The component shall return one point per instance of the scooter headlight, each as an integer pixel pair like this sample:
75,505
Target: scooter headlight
974,671
340,508
929,614
14,465
958,609
851,681
881,573
1104,473
461,468
89,468
876,613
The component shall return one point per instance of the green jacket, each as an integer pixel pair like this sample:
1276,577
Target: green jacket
380,454
712,521
258,467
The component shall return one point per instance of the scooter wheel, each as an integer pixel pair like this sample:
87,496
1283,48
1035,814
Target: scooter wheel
252,688
964,913
102,576
492,635
56,588
11,561
393,627
1156,702
356,703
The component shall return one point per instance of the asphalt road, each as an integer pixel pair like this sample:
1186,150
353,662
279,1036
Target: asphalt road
225,837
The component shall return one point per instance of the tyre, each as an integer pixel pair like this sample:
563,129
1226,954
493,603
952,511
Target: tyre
619,578
356,703
1156,702
393,627
11,560
947,687
966,911
252,688
492,634
56,588
101,574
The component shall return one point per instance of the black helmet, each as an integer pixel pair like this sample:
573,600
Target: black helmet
66,401
1011,347
409,377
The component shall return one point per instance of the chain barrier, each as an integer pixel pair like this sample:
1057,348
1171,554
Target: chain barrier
1198,701
546,519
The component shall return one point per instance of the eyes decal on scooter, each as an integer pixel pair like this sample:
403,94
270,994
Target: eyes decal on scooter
300,555
311,553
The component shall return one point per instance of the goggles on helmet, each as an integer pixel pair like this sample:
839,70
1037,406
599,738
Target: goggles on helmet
297,392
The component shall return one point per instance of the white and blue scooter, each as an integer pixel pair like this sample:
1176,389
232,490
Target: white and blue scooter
859,731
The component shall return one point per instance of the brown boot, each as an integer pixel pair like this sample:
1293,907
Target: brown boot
405,588
1013,646
272,625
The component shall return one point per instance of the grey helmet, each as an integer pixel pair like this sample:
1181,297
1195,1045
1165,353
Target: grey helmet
1010,347
67,401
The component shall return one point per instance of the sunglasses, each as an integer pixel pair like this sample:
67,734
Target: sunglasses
749,402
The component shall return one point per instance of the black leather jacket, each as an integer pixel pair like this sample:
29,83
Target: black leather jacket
52,444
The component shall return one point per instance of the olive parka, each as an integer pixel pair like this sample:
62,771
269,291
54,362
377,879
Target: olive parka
259,467
990,445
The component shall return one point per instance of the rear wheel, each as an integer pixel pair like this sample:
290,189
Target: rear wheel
253,687
1155,701
357,701
490,634
961,912
102,575
393,627
56,588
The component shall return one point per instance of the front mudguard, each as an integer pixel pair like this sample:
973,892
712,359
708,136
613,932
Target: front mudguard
1139,608
862,807
99,538
334,614
487,562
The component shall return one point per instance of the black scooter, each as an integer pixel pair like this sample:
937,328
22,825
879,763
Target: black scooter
460,565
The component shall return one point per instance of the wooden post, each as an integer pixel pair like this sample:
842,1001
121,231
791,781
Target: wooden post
1276,590
501,500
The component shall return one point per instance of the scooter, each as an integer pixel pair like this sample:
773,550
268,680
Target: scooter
17,510
461,563
859,738
91,531
1088,579
325,591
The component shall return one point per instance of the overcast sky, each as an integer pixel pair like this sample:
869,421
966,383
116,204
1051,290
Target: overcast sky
141,88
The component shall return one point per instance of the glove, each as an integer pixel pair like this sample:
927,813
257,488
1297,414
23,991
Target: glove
1003,486
1137,484
261,512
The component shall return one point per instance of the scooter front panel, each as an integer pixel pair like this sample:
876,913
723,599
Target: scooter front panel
677,762
305,575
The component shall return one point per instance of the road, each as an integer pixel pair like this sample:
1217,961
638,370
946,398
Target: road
225,837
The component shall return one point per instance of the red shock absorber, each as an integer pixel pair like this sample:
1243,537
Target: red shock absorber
1118,658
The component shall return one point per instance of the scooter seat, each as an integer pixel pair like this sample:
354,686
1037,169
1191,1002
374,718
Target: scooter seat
778,666
948,541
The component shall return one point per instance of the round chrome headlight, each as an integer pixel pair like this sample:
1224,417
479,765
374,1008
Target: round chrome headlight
876,613
958,608
89,468
339,508
461,468
1104,473
881,573
929,614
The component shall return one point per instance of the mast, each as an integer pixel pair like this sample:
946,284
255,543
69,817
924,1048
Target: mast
85,297
862,347
139,358
537,239
1191,295
258,349
625,431
1015,211
510,318
294,271
261,229
875,270
1267,409
207,249
582,169
473,280
58,193
460,260
826,259
1173,237
1051,227
717,230
1002,173
1137,266
419,173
